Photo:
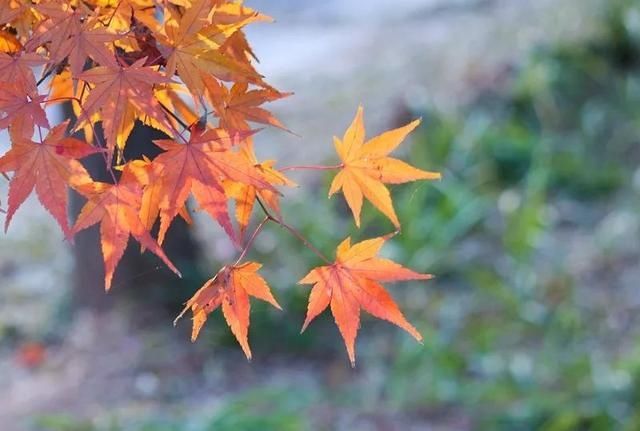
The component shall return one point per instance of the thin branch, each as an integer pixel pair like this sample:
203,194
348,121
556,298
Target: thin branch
46,75
311,167
57,99
251,240
293,231
264,208
105,156
40,134
303,240
174,116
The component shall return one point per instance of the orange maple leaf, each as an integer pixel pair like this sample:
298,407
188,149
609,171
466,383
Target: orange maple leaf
21,111
17,69
352,283
60,21
48,167
192,45
366,168
9,44
237,106
74,34
121,95
245,195
20,15
119,15
89,42
116,208
198,167
143,172
231,287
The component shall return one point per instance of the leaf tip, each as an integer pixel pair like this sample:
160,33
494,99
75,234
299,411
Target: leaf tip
304,326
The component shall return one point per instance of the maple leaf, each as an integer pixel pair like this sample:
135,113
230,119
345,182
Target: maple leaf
117,14
91,43
231,288
20,14
191,44
73,34
10,10
61,91
229,12
198,167
116,208
143,172
352,283
366,167
121,95
48,167
17,70
9,44
245,195
20,111
61,21
237,106
236,44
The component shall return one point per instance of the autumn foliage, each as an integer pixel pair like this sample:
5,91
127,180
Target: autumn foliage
185,68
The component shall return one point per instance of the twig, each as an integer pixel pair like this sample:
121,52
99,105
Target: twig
250,242
174,116
293,231
311,167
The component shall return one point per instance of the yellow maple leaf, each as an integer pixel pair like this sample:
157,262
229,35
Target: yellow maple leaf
366,167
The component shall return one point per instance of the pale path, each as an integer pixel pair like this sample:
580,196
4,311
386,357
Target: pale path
336,54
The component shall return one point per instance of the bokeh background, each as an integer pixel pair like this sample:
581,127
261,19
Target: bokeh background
531,110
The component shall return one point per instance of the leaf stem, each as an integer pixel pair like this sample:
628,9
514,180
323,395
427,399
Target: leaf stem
311,167
304,240
293,231
251,240
108,158
55,99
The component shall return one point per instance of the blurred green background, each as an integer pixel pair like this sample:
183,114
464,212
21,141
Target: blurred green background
530,324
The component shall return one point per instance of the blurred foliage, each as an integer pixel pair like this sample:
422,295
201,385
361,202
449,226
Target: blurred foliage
267,409
517,345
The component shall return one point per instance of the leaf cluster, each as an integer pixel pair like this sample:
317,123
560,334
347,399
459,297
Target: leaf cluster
183,67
